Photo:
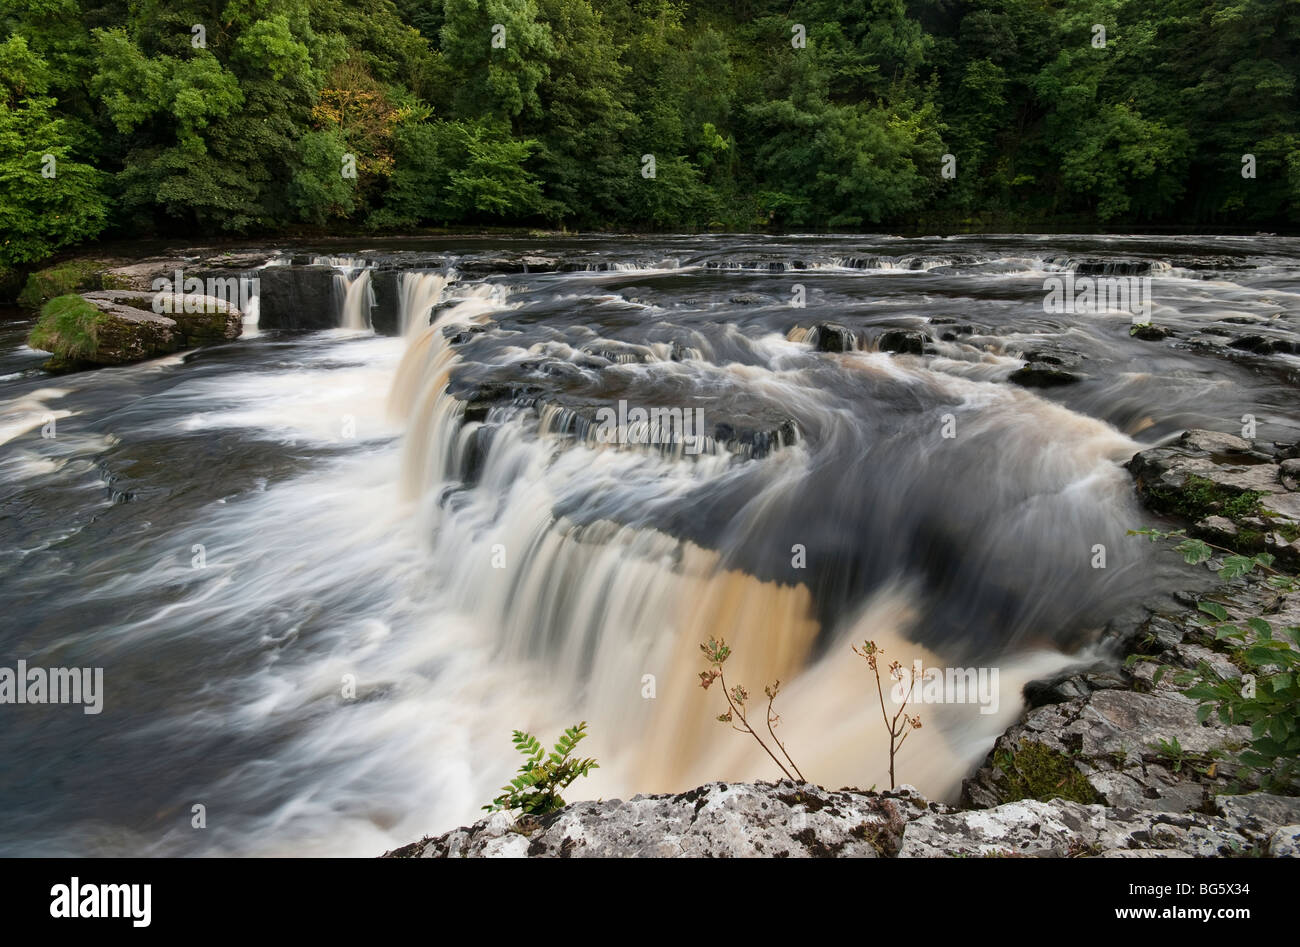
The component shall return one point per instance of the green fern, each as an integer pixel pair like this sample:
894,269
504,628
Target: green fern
536,790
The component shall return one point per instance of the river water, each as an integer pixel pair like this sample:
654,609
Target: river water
327,573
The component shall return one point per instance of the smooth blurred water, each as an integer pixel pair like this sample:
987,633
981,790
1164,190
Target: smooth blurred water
321,476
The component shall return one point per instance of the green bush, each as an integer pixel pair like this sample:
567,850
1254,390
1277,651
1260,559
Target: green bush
68,327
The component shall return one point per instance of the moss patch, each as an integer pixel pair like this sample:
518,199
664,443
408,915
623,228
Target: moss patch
1200,497
1035,771
74,276
68,327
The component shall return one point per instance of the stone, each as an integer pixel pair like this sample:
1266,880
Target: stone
717,820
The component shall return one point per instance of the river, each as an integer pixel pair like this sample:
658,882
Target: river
327,573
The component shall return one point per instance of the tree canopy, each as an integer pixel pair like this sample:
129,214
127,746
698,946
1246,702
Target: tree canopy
126,117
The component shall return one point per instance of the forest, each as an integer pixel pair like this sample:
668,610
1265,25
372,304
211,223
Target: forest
137,118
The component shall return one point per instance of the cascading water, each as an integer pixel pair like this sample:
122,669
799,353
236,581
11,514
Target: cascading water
326,574
420,293
358,299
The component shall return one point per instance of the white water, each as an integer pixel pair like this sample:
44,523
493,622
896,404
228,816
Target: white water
420,292
358,298
547,592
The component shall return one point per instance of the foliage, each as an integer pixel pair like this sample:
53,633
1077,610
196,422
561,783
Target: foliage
536,790
68,327
72,276
545,120
49,196
1267,696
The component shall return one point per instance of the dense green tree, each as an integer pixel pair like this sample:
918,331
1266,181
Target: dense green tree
203,116
49,198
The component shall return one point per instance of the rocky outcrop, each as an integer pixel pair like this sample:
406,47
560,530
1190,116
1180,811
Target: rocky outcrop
800,820
197,319
119,327
903,342
1234,492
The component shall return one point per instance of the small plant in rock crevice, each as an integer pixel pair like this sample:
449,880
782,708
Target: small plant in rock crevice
716,653
536,790
900,726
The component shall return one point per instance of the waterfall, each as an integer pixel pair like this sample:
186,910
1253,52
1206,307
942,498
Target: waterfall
252,315
358,299
613,613
420,292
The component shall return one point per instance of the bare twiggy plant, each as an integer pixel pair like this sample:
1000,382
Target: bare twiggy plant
901,725
717,652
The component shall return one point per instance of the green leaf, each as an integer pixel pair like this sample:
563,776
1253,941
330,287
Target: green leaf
1260,627
1213,609
1235,566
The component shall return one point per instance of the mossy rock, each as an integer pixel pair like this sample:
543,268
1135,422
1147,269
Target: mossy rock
1036,771
1199,497
73,276
69,327
80,332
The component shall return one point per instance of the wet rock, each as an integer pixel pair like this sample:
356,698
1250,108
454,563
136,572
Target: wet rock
297,297
118,327
1262,345
130,334
485,266
459,335
1042,374
386,283
832,337
1232,491
1150,333
903,342
200,320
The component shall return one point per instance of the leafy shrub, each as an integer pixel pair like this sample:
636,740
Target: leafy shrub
536,790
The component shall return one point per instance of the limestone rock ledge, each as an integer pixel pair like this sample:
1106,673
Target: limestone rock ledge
793,820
